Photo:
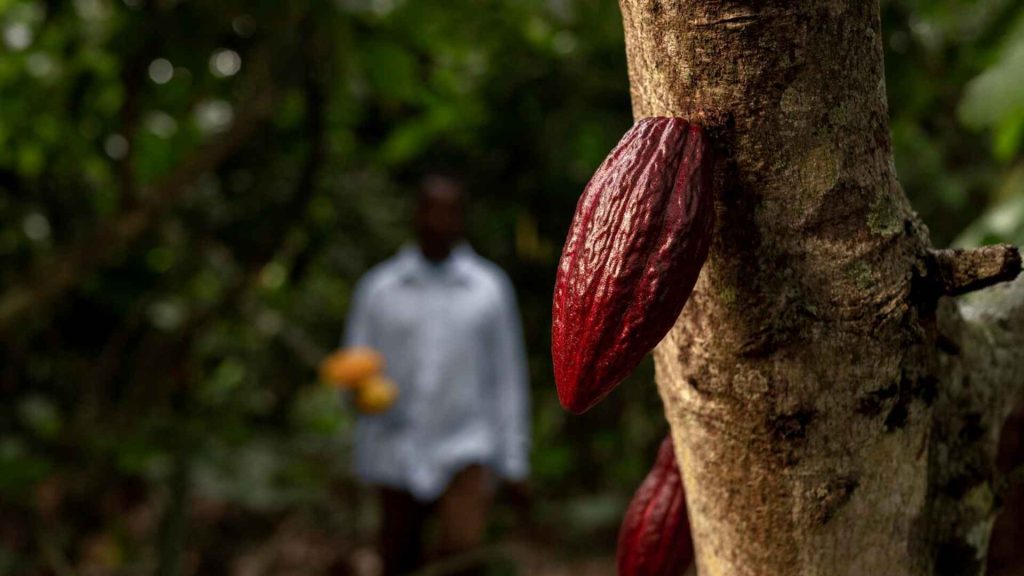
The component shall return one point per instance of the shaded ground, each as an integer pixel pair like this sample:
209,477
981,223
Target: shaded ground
296,550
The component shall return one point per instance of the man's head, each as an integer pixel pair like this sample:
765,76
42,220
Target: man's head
440,216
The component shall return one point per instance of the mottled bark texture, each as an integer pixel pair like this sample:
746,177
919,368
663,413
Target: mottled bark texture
802,378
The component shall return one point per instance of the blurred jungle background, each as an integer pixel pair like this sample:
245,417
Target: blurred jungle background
189,190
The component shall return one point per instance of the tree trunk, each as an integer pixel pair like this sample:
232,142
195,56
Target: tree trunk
802,378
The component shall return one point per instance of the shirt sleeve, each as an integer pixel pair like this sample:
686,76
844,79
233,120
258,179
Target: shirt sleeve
513,392
357,326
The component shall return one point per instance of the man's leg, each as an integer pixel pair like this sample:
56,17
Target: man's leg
462,513
401,534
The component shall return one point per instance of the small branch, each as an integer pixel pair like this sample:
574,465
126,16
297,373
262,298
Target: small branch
959,271
132,78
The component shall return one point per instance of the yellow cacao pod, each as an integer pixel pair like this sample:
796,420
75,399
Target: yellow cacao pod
375,394
346,368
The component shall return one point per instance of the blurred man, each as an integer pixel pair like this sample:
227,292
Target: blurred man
446,322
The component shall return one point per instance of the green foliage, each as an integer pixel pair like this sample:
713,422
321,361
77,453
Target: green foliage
954,99
191,190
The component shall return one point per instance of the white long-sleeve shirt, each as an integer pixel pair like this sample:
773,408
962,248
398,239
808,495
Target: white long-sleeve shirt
452,342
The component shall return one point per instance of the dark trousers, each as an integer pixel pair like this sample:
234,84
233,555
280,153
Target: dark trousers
461,514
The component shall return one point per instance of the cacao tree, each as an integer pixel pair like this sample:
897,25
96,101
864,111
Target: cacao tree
835,409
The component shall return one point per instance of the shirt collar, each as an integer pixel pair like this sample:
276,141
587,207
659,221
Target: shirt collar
456,267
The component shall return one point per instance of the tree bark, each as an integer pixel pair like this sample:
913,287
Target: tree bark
802,378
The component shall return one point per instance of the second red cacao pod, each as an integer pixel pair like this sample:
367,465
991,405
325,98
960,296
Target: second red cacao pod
636,245
655,536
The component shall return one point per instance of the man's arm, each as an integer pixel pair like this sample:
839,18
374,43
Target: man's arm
357,326
513,392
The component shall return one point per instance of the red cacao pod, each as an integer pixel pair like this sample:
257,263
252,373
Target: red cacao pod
636,245
655,536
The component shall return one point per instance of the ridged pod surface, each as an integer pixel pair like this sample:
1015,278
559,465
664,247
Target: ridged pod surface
636,245
655,536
